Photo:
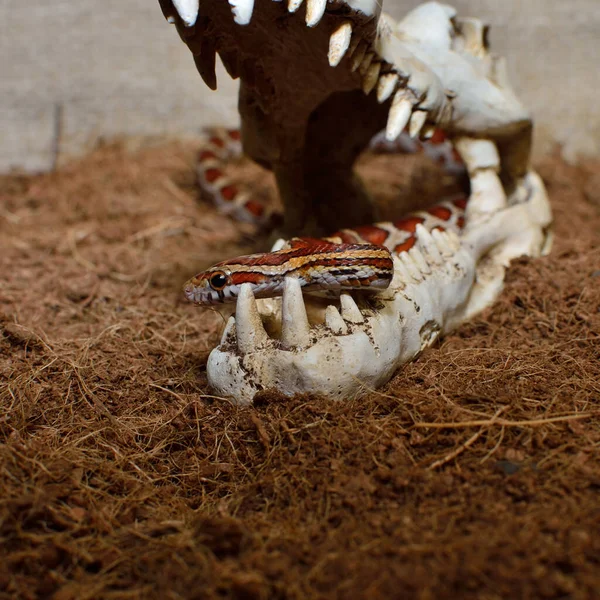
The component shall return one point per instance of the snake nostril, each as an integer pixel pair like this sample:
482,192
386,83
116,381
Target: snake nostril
188,290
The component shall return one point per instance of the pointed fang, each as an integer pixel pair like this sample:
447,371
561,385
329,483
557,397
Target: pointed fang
294,5
370,79
229,331
188,10
417,120
334,321
295,330
358,55
315,9
443,245
428,132
242,10
411,266
251,333
350,311
339,42
427,245
366,63
386,86
399,115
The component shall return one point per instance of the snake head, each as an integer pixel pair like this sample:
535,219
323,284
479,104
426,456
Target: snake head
319,265
213,286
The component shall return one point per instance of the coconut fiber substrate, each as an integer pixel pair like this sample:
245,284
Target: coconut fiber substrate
474,473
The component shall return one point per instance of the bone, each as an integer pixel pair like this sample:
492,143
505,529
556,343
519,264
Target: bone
366,63
279,245
251,333
474,34
487,193
188,10
443,245
453,240
371,77
428,245
500,73
242,10
427,132
358,55
403,274
334,321
411,266
417,120
419,260
399,115
350,310
229,331
478,153
315,9
386,86
294,5
354,43
367,7
205,63
339,42
430,21
295,330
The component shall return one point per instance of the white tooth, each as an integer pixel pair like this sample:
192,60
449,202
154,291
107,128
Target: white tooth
411,267
428,244
250,331
399,115
229,331
399,267
171,20
428,131
440,239
487,193
386,86
367,7
350,311
417,120
358,55
370,80
339,42
278,245
356,40
500,72
242,10
315,9
295,330
188,10
294,5
334,321
453,240
419,260
366,63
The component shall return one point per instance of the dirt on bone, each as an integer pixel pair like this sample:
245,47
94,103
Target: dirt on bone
474,473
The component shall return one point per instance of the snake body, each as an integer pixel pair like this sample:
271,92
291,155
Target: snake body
358,258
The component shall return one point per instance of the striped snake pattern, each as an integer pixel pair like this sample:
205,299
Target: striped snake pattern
358,258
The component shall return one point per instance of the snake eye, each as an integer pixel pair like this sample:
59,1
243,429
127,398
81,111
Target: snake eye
218,281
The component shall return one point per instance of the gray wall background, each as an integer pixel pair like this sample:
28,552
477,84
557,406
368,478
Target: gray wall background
73,73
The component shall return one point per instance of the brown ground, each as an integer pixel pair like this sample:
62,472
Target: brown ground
474,474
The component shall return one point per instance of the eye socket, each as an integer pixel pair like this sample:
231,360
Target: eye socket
218,281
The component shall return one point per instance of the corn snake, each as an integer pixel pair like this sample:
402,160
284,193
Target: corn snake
358,258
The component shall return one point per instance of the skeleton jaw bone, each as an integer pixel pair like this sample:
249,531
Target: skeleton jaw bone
353,66
323,349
